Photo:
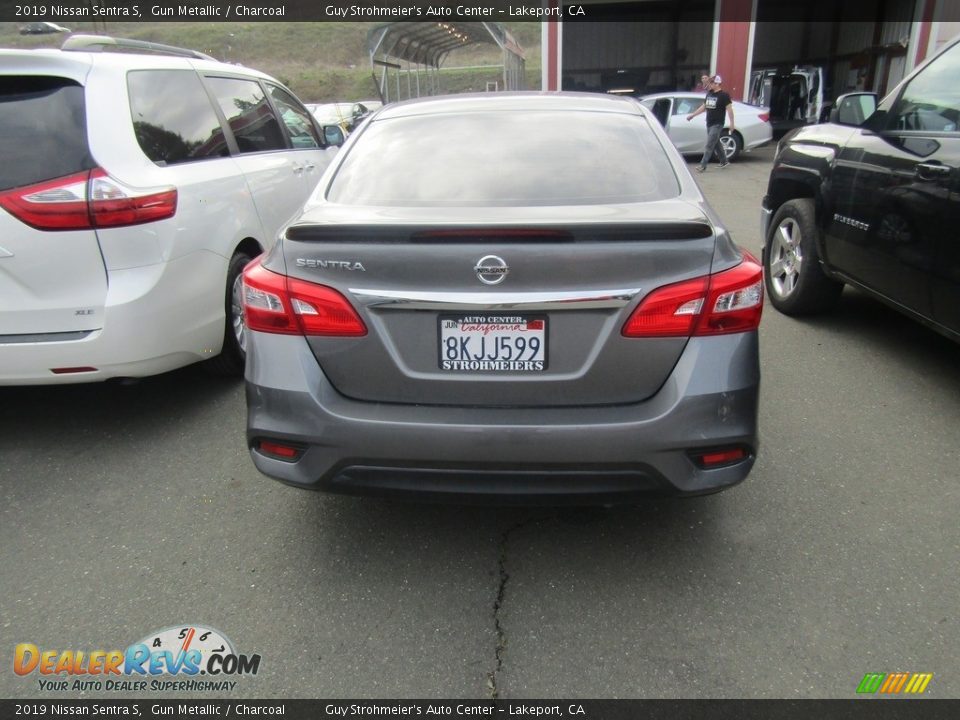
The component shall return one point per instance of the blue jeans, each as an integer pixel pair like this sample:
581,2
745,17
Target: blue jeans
713,146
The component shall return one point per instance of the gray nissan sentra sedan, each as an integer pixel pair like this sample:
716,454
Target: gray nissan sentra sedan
514,297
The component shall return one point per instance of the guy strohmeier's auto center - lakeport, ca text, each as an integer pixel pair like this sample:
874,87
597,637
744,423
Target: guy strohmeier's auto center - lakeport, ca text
276,11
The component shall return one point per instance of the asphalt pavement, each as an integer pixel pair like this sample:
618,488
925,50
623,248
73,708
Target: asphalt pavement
126,509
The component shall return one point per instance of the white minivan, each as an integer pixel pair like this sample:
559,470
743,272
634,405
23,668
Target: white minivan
794,97
135,187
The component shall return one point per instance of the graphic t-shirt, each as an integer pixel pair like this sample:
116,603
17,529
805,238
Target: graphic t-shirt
716,103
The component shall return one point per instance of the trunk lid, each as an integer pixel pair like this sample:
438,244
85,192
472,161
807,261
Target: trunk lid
557,282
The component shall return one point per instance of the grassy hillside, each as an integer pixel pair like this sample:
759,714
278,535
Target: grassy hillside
321,62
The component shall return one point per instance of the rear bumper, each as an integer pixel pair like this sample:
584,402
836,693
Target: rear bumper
156,318
756,137
750,147
557,454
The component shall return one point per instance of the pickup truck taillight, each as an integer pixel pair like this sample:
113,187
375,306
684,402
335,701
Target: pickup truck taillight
86,200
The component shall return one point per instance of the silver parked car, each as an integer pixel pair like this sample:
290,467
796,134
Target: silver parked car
752,130
505,296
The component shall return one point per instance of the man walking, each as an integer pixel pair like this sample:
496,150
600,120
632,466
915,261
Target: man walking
716,104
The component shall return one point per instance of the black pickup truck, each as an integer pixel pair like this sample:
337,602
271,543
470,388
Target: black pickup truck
872,199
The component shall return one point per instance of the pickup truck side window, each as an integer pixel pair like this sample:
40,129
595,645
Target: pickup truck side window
931,101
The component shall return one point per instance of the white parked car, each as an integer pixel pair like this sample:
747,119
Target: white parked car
134,189
752,129
345,114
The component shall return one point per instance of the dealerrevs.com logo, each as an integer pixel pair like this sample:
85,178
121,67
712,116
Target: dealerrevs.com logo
181,658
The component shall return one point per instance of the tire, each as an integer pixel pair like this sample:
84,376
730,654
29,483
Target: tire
732,145
233,357
795,281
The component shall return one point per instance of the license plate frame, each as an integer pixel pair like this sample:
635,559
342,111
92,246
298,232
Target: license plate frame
507,331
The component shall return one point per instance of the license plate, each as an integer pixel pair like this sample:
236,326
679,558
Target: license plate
493,343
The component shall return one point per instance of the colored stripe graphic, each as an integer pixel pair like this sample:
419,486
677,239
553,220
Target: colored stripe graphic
918,683
871,682
894,683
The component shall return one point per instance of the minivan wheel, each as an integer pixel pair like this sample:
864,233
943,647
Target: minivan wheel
233,356
732,144
796,283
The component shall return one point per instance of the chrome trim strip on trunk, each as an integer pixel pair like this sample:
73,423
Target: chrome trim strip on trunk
412,300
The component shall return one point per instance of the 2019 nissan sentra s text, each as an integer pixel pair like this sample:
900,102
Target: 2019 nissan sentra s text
520,296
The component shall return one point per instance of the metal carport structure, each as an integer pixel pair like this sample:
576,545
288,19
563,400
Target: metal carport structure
417,50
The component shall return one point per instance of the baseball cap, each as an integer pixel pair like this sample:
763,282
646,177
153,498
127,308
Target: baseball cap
717,79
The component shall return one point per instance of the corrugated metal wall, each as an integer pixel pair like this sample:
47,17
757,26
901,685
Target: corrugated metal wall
898,22
600,45
656,49
853,50
855,37
635,56
777,43
638,47
592,46
781,43
819,35
696,39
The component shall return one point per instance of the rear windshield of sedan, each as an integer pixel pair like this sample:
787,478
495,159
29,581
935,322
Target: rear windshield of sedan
505,159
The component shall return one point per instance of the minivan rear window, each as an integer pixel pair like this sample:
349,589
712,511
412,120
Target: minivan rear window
506,158
43,130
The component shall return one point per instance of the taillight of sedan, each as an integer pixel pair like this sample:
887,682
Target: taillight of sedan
275,303
730,301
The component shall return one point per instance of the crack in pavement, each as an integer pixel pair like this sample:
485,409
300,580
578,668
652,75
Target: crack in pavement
504,576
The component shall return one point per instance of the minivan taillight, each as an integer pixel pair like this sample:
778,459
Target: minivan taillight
275,303
727,302
88,200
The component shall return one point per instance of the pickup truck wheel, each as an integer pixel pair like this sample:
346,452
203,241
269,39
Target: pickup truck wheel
795,280
232,358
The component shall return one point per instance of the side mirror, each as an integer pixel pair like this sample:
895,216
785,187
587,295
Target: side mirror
853,108
333,135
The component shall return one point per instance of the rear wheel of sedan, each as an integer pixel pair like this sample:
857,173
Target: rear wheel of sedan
732,144
233,356
795,279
